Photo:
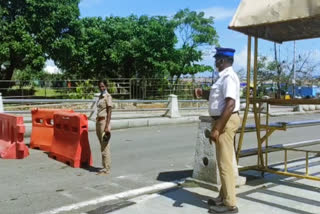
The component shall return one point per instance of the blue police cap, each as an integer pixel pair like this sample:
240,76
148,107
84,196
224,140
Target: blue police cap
224,52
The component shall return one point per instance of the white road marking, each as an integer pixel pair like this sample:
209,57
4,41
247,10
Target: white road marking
68,195
122,195
92,189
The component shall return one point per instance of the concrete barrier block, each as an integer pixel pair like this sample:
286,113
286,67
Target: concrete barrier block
159,121
173,108
205,164
305,107
119,124
138,123
312,107
205,167
298,108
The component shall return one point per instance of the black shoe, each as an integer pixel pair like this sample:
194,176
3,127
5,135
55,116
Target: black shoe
215,201
223,209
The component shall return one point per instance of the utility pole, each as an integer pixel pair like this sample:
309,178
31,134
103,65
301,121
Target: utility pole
294,69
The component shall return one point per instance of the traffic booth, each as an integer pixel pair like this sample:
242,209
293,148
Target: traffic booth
42,128
70,143
12,131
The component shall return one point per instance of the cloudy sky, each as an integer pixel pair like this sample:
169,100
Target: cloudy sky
222,10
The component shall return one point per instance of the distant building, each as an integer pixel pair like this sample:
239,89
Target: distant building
305,91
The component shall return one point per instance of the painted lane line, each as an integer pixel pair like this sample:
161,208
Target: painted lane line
68,195
122,195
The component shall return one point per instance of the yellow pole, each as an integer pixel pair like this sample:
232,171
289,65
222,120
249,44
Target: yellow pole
307,163
285,160
267,130
245,116
256,116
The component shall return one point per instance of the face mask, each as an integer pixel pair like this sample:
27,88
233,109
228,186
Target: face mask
103,92
218,63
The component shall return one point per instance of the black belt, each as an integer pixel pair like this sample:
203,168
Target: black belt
217,117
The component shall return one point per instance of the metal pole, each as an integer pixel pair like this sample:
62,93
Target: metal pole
267,130
45,89
294,69
245,116
256,116
285,160
130,89
307,163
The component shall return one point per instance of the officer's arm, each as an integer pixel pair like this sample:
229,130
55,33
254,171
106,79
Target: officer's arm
109,110
226,114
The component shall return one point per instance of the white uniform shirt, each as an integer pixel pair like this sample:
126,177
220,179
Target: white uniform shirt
227,86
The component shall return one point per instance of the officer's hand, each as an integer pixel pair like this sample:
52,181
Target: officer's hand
107,131
198,93
215,135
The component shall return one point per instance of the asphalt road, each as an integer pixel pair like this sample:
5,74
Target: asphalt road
140,157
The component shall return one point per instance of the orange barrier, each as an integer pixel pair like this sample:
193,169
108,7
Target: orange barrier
12,131
42,128
70,142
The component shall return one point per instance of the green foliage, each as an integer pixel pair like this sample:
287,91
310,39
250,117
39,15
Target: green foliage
136,47
112,88
117,47
195,32
28,29
32,31
84,90
28,74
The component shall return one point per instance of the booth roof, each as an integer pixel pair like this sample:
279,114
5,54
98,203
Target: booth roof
278,20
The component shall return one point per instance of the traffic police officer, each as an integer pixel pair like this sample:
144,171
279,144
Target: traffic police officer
103,127
224,106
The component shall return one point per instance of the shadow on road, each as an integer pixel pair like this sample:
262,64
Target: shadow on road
174,175
181,196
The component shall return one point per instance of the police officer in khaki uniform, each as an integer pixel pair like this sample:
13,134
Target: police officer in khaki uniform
103,127
224,106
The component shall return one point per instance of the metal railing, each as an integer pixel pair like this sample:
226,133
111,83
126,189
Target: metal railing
281,147
124,88
57,102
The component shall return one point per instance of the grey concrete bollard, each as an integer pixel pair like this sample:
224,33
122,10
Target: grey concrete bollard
1,104
173,108
298,108
206,172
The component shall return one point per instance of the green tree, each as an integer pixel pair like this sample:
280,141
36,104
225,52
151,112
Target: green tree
194,32
123,47
29,29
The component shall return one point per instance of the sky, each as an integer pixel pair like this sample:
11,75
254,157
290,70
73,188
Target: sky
221,10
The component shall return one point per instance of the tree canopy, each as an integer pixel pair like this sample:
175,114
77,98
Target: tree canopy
118,47
29,29
195,31
32,31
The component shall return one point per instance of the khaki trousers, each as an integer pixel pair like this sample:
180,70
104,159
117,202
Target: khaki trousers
105,146
226,160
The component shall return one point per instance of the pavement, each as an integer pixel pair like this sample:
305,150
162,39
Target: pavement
272,194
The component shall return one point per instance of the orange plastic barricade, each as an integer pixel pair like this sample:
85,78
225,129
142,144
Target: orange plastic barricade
42,128
12,131
70,142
